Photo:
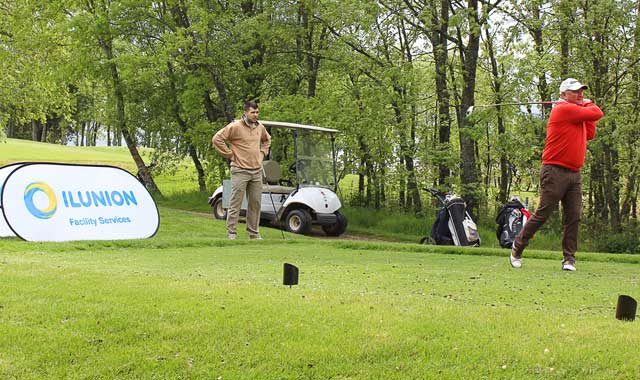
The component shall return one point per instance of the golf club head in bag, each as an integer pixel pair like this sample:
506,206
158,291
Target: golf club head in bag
463,229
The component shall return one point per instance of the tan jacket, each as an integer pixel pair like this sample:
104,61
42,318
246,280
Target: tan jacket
249,145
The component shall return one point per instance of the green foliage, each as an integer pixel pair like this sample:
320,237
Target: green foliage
32,82
625,242
190,304
365,68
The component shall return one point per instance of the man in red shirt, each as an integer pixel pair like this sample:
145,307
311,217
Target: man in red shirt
571,124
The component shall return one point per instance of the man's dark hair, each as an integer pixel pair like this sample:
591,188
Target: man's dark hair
250,104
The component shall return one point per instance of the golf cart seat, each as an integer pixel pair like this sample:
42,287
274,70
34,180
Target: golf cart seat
273,181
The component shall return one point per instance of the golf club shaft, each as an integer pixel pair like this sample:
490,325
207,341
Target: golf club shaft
471,108
264,173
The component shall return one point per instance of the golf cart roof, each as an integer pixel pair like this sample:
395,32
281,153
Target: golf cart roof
282,124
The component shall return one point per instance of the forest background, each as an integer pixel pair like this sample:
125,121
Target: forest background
395,76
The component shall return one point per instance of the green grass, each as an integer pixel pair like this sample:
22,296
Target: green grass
188,304
15,150
382,223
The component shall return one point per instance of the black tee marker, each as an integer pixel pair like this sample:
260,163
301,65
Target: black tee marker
626,310
290,276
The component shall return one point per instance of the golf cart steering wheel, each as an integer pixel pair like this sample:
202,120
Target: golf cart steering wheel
298,165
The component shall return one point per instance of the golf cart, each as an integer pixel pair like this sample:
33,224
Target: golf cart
309,197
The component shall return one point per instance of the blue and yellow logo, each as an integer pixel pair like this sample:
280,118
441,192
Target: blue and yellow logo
31,190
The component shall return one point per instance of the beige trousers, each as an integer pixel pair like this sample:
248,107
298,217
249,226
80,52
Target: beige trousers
243,181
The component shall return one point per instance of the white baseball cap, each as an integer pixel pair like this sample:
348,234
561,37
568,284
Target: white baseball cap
571,84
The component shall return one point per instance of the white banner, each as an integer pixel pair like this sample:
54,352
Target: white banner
62,202
5,231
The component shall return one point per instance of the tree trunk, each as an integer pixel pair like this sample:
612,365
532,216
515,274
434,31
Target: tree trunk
625,209
36,130
180,17
438,37
412,185
210,110
598,203
496,84
535,29
364,169
376,186
383,193
469,58
10,128
565,23
402,189
312,61
634,203
314,66
406,158
367,199
412,181
45,132
361,178
611,182
95,133
185,130
227,108
121,122
365,156
609,155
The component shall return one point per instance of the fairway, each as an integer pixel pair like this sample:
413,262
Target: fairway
188,304
15,150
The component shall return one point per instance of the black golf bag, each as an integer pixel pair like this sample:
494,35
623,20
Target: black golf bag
453,225
511,218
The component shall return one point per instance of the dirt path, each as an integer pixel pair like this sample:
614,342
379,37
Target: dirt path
317,232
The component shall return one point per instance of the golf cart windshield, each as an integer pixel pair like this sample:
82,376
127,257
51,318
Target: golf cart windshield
314,164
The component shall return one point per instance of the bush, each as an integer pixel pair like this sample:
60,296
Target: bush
401,226
626,242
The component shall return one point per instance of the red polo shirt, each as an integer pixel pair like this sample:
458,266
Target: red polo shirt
569,128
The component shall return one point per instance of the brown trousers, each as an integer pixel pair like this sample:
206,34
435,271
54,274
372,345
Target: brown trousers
556,184
249,181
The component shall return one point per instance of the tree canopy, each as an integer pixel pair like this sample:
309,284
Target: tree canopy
396,76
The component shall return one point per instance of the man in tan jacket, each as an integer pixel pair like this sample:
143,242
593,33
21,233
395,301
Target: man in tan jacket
249,144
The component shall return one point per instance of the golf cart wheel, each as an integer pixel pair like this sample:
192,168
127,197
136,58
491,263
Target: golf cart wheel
298,221
219,212
427,240
338,228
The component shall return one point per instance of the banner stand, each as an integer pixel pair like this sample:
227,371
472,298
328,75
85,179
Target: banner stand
65,202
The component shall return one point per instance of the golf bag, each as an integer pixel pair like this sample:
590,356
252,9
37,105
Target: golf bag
511,218
453,225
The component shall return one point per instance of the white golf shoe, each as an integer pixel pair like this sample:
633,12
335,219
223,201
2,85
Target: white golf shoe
514,261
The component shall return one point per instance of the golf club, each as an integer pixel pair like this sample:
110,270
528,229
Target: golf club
264,173
471,108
